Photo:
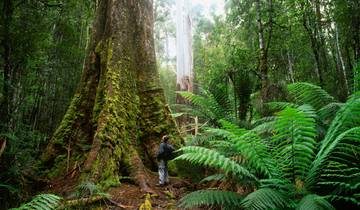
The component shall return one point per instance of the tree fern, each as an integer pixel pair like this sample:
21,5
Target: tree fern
208,107
294,144
87,189
224,199
256,152
314,202
306,93
337,165
347,117
328,112
215,177
42,202
266,199
277,106
342,135
249,145
211,158
292,167
264,126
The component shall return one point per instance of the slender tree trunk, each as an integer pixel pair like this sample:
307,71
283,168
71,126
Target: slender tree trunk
311,26
6,44
184,62
184,73
119,108
356,30
291,70
341,60
320,36
263,60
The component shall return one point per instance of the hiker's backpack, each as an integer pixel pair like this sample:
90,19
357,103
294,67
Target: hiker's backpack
167,153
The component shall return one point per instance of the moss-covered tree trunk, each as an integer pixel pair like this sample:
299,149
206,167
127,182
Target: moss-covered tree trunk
118,115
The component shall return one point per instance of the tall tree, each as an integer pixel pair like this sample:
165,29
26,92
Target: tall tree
263,49
184,62
119,108
6,17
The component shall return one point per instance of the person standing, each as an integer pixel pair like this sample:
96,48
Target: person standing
164,154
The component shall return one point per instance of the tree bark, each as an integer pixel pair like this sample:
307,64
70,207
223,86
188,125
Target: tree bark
290,67
119,108
7,11
340,57
184,63
312,25
263,61
264,46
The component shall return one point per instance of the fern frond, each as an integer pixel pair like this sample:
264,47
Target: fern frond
249,145
314,202
343,135
328,112
347,117
224,199
87,189
295,140
265,128
254,149
201,139
211,158
208,107
348,141
353,199
215,177
231,127
266,198
278,184
306,93
277,106
42,202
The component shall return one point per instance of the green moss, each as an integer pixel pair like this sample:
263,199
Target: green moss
59,167
65,128
109,176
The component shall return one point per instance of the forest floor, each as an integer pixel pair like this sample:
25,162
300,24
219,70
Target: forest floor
128,195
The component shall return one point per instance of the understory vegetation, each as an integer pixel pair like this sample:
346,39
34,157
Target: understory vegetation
303,156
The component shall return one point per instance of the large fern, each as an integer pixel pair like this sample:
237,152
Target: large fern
211,158
291,165
225,199
41,202
306,93
266,198
208,107
314,202
294,143
252,147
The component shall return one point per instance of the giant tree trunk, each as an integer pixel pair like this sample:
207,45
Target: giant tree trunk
119,110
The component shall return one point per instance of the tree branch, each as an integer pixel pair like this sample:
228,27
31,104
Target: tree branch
48,4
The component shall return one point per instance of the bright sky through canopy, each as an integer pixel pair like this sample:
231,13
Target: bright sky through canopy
210,5
207,7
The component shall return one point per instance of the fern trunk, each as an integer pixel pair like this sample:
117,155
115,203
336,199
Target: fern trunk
118,115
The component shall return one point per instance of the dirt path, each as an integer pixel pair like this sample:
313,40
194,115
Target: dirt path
131,197
128,195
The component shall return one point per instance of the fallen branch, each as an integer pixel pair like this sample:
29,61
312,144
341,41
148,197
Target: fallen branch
90,200
82,201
